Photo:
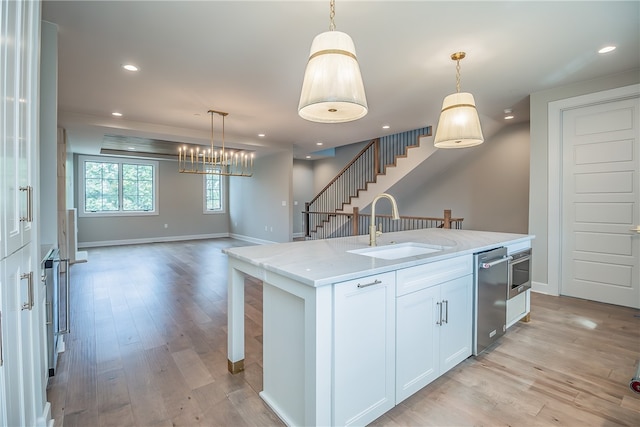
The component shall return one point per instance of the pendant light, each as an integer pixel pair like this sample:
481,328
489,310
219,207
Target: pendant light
459,124
332,90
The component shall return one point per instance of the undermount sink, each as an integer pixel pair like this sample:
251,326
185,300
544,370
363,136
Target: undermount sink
400,250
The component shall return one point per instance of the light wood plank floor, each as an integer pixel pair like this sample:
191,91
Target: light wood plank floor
148,348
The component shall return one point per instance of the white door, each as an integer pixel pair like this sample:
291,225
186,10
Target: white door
600,202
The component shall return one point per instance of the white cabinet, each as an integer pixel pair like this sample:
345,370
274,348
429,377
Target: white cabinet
18,130
19,345
518,307
364,349
434,322
22,377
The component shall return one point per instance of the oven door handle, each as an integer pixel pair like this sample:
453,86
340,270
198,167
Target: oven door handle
515,261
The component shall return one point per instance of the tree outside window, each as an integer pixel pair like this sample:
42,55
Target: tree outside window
213,193
118,186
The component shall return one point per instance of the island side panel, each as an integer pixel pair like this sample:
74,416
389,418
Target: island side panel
297,350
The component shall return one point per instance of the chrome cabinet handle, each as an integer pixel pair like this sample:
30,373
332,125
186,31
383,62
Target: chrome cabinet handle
29,277
446,312
29,216
439,304
636,229
375,282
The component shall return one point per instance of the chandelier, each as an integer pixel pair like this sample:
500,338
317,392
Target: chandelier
332,89
459,124
215,161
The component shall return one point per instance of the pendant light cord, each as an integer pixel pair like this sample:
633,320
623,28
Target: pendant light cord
332,14
458,76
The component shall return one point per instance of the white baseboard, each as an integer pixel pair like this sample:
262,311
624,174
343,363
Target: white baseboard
150,240
542,288
251,239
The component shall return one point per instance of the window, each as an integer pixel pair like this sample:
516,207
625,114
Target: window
213,193
114,186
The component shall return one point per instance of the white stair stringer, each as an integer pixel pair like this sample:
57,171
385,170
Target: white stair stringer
393,174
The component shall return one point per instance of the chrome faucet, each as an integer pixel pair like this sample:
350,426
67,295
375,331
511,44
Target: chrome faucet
373,231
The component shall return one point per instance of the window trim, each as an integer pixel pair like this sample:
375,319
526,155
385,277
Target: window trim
223,209
82,159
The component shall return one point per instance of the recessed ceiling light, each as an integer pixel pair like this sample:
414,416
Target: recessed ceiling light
307,157
319,143
130,67
607,49
386,127
116,114
508,117
131,148
261,135
508,114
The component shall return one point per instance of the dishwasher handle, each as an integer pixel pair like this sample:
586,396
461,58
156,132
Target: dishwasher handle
486,265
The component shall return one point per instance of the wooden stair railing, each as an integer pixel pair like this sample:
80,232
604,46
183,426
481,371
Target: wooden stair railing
356,223
370,162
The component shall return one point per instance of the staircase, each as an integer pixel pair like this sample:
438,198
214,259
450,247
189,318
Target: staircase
380,165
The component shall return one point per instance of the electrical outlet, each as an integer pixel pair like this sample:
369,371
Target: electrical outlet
266,228
166,226
272,229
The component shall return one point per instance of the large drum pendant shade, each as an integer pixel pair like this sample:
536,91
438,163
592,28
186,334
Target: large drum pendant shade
332,90
459,124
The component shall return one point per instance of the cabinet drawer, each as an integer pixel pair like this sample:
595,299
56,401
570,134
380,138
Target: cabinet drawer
413,279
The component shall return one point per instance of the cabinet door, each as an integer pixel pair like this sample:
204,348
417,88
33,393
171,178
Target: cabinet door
364,352
17,338
457,327
517,307
18,121
417,337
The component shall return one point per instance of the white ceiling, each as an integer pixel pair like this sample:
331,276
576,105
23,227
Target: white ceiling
248,58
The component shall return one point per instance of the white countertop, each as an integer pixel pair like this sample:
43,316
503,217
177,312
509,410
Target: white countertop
322,262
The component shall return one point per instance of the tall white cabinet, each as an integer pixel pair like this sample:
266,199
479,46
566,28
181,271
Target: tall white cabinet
23,372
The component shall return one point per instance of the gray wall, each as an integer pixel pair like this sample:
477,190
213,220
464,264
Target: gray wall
303,191
180,206
538,193
48,146
261,207
324,170
487,185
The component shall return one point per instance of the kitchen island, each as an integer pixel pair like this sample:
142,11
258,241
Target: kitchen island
339,325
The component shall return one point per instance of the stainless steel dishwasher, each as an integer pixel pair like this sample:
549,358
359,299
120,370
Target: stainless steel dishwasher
490,297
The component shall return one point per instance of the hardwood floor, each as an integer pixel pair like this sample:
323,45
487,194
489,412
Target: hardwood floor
148,348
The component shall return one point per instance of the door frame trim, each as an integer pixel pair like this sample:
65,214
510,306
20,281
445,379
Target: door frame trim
556,110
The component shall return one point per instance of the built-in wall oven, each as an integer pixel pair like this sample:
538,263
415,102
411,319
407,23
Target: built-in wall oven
519,272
